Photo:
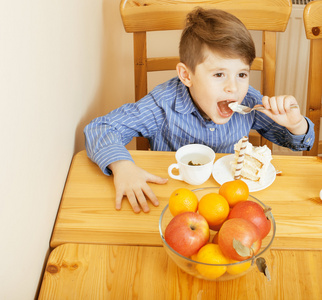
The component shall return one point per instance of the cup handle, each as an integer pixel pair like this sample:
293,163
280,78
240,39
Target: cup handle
171,167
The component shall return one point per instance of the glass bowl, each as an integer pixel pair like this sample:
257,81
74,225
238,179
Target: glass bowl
200,270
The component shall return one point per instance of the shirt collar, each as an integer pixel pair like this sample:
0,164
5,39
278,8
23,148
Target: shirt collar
184,103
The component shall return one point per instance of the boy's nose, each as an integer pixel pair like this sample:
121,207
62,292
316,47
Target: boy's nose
230,85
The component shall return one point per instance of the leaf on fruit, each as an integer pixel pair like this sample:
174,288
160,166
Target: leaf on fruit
268,213
241,249
262,267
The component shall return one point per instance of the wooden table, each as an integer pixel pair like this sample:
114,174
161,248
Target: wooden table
87,214
144,272
101,253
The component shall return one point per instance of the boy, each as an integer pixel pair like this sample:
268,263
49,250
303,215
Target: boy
216,52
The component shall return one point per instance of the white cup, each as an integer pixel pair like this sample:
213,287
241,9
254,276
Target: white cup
202,157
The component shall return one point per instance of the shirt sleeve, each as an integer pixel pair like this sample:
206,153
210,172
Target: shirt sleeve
281,136
301,142
106,136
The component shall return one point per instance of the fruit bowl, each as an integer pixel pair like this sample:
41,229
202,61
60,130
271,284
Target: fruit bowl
215,272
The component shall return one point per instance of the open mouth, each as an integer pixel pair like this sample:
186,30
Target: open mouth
224,109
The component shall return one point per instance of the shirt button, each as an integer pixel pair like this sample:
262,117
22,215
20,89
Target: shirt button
212,129
308,140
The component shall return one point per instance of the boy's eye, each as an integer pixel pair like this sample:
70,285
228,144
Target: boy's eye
219,75
242,75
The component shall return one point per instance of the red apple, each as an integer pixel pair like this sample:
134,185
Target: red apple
239,239
254,213
187,233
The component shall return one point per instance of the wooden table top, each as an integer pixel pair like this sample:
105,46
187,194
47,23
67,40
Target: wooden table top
145,272
87,213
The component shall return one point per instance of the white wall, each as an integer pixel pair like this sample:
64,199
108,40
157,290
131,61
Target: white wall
62,64
52,82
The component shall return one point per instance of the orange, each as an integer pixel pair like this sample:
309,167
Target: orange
215,238
214,208
234,191
182,200
194,257
211,254
238,268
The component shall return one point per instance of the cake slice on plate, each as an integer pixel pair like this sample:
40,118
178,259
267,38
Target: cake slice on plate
250,162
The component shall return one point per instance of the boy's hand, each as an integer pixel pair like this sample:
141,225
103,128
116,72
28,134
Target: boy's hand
278,109
131,181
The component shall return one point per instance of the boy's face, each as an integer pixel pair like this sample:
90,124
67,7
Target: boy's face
217,82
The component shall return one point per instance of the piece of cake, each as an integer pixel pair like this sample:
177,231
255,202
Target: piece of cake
250,162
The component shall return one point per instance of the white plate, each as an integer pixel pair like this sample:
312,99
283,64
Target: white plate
222,173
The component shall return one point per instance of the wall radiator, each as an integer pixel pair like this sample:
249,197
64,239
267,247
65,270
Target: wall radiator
292,59
292,62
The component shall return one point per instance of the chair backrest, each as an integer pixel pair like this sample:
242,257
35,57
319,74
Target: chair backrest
142,16
312,17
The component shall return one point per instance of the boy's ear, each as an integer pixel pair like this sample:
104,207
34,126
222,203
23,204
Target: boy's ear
184,74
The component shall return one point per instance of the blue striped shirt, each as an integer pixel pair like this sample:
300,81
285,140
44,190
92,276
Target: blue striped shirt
169,119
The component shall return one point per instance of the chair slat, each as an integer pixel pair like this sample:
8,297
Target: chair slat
162,63
312,17
170,63
314,93
147,15
140,65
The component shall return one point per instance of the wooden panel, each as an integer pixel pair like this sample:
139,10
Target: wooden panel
257,64
140,77
314,93
313,28
87,212
162,63
140,66
170,63
269,70
132,272
269,56
150,15
313,20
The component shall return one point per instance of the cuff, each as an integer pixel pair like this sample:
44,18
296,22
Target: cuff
302,142
109,154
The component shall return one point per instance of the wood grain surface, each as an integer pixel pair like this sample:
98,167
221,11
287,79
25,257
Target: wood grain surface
312,17
87,213
145,15
139,272
313,28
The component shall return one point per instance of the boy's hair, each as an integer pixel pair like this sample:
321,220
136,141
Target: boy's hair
218,30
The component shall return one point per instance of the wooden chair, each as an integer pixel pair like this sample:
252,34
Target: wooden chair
142,16
312,17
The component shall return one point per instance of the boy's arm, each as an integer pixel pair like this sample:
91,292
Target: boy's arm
104,147
105,140
106,136
291,129
131,181
279,110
